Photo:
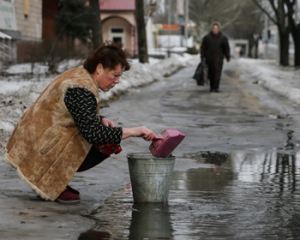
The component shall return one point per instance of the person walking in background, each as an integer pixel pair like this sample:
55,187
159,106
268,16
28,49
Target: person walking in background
214,48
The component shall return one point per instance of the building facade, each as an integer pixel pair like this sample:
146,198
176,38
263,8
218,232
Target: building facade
23,22
29,19
119,24
20,23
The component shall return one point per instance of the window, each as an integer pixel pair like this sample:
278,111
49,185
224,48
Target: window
117,34
117,30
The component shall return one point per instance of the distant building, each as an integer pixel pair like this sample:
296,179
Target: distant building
49,11
170,36
118,23
29,19
20,22
25,21
117,16
8,32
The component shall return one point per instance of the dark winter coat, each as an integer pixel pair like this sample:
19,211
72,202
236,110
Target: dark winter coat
214,47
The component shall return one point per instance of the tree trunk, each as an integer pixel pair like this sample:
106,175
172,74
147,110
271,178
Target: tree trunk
297,49
294,28
141,31
284,47
251,45
96,24
256,49
296,38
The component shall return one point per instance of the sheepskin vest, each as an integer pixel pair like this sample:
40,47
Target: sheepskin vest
46,146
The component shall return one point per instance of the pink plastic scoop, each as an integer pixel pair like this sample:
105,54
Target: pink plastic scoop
166,142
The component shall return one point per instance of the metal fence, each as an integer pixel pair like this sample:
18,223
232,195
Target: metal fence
6,55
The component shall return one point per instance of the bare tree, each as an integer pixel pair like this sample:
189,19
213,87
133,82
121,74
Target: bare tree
141,30
96,23
248,25
161,15
278,14
294,28
205,12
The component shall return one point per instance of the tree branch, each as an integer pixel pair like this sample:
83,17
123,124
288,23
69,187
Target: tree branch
205,3
233,19
265,11
282,14
274,8
291,11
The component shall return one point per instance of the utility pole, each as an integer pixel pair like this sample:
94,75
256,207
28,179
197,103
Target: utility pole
297,11
141,31
180,14
265,38
186,22
97,24
169,27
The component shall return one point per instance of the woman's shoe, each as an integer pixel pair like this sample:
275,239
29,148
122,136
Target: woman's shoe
73,190
68,197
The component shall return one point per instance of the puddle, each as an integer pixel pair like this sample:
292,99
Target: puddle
229,196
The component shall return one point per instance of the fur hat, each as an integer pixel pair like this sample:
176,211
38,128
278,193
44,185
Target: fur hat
216,23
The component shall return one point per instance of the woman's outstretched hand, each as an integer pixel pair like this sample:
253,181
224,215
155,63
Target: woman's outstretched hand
142,131
106,122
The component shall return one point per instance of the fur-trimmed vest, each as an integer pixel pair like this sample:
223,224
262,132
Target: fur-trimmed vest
46,146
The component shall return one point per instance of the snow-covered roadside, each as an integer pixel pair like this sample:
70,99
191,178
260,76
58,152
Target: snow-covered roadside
284,81
143,74
139,75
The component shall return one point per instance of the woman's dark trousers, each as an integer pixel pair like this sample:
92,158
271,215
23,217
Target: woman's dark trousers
93,158
214,74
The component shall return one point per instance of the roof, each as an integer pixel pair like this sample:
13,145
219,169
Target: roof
117,5
3,35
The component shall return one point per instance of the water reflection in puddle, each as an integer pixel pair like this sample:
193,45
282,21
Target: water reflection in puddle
230,196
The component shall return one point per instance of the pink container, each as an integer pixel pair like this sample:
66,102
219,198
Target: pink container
166,142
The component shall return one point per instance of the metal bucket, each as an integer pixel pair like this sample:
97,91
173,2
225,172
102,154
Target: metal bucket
151,177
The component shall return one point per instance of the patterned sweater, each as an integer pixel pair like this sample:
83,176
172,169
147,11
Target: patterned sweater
82,105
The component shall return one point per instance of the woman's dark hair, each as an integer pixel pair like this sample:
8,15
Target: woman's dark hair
110,55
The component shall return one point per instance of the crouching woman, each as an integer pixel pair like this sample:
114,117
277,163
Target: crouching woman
63,132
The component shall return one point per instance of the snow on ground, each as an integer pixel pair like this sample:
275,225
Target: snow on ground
27,68
19,88
12,86
139,75
18,91
143,74
284,81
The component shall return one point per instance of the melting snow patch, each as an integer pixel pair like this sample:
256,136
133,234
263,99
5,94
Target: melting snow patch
6,126
284,81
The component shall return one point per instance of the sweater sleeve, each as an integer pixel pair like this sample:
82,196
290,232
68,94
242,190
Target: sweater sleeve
226,48
82,105
203,49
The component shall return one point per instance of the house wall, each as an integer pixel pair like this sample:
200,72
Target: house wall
29,19
117,22
129,16
121,19
8,25
48,14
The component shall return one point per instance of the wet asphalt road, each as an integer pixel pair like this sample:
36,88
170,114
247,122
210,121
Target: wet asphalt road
236,173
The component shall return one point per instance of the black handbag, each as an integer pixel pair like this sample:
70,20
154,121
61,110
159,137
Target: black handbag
200,74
